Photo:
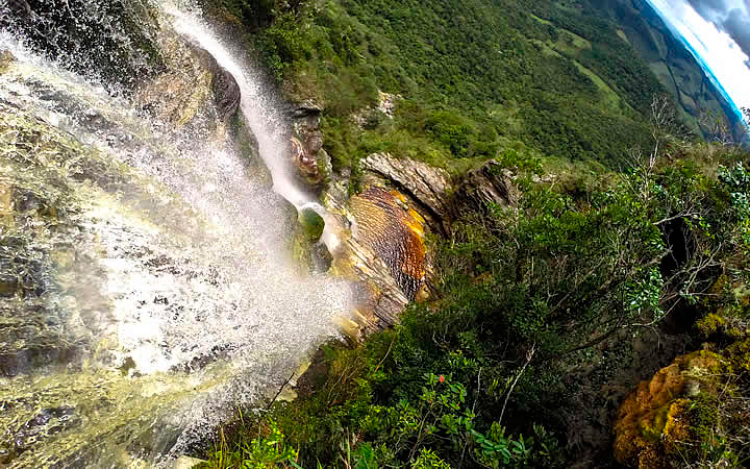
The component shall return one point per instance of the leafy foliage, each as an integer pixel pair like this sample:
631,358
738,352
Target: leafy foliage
527,293
531,295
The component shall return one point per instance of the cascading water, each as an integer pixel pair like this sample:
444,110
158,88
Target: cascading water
146,290
258,108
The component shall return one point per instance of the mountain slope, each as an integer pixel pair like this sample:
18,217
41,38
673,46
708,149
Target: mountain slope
477,77
676,68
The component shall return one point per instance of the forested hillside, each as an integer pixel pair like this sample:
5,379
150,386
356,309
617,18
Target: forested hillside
700,104
477,77
598,319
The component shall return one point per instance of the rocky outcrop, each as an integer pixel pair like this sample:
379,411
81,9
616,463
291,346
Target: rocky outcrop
429,187
490,184
311,160
385,248
191,82
380,246
387,103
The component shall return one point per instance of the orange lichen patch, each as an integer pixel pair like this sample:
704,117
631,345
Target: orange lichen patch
386,224
676,425
652,419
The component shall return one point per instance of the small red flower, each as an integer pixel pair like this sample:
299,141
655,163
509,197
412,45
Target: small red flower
442,379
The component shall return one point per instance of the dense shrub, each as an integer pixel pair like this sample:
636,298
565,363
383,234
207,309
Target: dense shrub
477,377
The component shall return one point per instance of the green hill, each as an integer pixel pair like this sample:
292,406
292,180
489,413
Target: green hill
675,67
476,76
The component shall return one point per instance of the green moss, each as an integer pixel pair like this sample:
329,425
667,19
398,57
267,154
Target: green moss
312,224
739,356
653,429
703,414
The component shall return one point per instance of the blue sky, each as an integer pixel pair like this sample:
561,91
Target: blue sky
716,30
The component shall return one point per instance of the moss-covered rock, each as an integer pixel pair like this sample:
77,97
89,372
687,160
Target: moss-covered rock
312,224
678,415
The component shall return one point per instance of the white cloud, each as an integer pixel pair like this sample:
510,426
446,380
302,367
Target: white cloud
714,47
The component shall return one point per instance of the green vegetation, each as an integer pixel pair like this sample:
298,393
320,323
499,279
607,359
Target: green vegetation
532,298
475,76
542,308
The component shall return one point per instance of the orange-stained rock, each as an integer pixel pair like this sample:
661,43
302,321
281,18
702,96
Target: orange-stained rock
428,186
395,232
653,418
380,244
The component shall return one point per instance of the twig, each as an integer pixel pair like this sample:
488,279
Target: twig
390,347
529,357
280,389
473,409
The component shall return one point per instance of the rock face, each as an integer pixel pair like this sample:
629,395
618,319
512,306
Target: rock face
227,94
190,82
115,38
490,184
311,160
381,247
426,185
385,249
395,232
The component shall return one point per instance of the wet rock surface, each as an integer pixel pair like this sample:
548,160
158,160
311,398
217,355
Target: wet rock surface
395,232
226,92
190,83
382,248
115,38
125,249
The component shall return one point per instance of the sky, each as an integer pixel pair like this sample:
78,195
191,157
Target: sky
719,33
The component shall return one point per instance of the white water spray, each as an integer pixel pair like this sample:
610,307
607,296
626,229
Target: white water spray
261,115
180,274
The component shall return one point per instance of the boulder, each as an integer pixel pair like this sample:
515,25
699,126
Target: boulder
489,184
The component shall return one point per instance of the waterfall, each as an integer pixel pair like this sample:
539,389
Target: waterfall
260,112
156,290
